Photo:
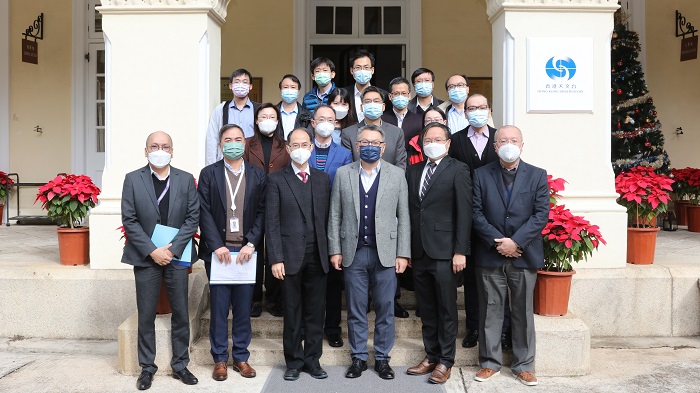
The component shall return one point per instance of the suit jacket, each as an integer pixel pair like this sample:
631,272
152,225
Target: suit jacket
392,220
212,218
140,214
303,118
413,104
395,152
521,220
279,158
462,149
337,157
441,222
351,90
411,126
284,218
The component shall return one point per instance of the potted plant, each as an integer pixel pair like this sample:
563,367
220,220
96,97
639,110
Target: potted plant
686,186
5,183
567,239
645,194
67,199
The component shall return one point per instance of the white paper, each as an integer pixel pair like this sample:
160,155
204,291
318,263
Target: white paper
233,273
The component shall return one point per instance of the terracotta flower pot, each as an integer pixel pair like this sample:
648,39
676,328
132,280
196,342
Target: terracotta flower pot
2,211
74,246
641,245
693,218
681,208
552,291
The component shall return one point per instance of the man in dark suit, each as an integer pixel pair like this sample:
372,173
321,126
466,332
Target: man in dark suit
439,199
293,114
423,81
296,219
232,215
511,207
160,194
399,115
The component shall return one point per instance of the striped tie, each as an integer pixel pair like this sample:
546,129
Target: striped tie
431,169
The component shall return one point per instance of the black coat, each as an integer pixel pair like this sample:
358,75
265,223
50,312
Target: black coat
462,149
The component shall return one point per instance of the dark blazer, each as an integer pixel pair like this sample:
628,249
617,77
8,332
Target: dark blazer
304,116
521,220
441,222
413,104
140,215
337,157
395,151
412,125
462,149
279,158
284,218
212,219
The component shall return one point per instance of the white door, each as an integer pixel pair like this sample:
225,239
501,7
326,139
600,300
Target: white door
95,113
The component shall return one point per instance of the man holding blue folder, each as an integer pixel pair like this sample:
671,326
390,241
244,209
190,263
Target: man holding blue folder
152,195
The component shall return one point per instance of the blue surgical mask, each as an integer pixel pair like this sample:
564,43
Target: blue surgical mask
424,89
290,95
362,76
370,153
458,94
399,102
478,118
372,111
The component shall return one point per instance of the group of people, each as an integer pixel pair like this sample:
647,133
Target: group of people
354,188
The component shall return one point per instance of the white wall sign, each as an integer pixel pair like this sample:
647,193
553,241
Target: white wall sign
559,75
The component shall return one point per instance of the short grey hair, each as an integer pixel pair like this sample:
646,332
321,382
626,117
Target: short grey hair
370,127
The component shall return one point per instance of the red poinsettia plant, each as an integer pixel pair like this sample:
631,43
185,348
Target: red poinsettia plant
644,193
687,184
567,238
5,183
67,198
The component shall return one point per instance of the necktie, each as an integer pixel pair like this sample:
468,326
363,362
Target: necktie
431,169
304,176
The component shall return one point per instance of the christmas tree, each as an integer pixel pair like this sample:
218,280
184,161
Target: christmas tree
636,133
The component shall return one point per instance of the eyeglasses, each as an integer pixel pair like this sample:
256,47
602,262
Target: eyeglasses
461,85
155,147
405,94
475,108
324,119
246,81
361,68
267,117
514,141
376,101
433,120
304,145
423,81
436,140
365,142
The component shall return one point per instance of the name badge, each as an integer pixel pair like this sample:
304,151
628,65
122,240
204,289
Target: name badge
234,224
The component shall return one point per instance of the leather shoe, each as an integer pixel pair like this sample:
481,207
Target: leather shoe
292,374
244,369
383,368
441,374
417,312
144,381
334,340
220,372
399,311
256,309
276,310
471,339
423,367
356,369
316,372
506,341
185,376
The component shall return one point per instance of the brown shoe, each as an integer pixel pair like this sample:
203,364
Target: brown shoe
485,374
245,369
527,378
220,373
441,374
423,367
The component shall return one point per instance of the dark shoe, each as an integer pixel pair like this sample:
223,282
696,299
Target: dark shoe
417,312
292,374
441,374
185,376
256,309
144,381
506,341
383,368
356,369
276,310
334,340
423,367
220,372
471,339
399,312
244,369
316,372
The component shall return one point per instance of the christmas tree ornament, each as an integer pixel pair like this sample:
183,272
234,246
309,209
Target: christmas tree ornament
654,113
619,92
619,63
618,124
613,70
636,110
647,144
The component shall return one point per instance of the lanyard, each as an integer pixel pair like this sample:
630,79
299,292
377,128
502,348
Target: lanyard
162,194
230,189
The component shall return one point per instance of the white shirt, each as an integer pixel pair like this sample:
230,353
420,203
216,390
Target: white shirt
425,171
367,179
399,117
288,119
358,104
158,177
306,169
455,120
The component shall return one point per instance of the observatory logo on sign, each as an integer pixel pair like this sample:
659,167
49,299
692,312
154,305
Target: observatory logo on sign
560,70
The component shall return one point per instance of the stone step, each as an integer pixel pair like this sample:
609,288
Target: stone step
268,326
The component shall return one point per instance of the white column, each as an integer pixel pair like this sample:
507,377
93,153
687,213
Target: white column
163,60
573,146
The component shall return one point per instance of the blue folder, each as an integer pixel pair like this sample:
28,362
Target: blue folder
163,235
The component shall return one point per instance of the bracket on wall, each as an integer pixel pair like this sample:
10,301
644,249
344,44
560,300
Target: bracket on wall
38,25
682,24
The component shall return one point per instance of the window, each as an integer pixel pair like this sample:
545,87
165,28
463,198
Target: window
358,18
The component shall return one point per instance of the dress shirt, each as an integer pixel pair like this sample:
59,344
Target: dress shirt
288,119
425,170
322,145
244,118
399,117
367,179
455,120
358,104
306,169
158,177
230,168
479,140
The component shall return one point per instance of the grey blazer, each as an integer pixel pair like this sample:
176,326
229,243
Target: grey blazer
395,152
140,214
392,220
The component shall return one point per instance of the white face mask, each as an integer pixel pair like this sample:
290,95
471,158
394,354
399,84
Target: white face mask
267,126
159,158
325,129
435,150
300,155
509,152
340,112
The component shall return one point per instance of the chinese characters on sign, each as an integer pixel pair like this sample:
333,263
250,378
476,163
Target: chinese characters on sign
689,48
30,52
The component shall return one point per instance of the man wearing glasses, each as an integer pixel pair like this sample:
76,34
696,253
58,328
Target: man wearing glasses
423,81
369,238
457,87
362,69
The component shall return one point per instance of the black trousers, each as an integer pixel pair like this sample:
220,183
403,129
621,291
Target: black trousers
436,293
304,298
334,301
273,288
